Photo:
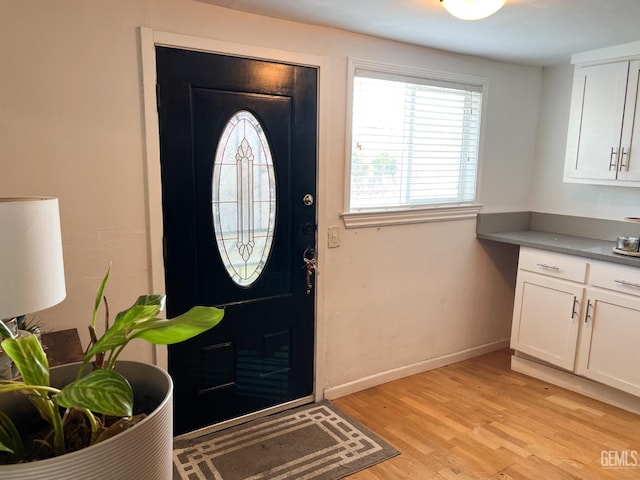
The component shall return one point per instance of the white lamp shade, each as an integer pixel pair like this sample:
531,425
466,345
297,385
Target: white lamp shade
31,266
472,9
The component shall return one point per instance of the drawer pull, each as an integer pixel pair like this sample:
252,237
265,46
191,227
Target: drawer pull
622,164
550,267
573,308
612,160
627,284
588,315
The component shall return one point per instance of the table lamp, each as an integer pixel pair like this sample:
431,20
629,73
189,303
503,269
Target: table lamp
31,267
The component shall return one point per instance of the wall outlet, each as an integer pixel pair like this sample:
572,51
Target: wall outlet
333,236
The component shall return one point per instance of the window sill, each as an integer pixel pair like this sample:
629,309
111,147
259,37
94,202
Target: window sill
382,218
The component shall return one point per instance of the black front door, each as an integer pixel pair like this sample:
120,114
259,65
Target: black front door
238,160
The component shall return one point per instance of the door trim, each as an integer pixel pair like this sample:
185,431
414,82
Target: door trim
246,418
148,40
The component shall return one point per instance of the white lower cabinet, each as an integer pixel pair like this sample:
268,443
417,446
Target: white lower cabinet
610,339
589,325
546,318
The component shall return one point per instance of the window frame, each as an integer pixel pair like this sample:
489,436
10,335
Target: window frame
406,214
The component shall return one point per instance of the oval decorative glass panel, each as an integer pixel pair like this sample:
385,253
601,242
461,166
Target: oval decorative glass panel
243,198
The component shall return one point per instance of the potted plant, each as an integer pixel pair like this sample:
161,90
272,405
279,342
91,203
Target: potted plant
91,428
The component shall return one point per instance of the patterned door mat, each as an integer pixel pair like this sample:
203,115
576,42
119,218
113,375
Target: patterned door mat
313,442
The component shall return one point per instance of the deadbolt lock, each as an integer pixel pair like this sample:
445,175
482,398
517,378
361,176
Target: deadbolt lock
307,199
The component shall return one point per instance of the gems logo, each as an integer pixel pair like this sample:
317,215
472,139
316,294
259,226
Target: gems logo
619,458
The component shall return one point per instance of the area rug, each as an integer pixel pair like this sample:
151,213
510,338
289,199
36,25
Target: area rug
316,442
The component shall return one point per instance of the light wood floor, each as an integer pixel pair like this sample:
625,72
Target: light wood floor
479,420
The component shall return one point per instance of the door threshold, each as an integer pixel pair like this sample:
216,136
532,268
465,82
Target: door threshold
216,427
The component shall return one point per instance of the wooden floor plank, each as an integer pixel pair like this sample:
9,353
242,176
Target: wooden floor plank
478,420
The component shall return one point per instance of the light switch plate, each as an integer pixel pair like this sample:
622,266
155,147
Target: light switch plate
333,236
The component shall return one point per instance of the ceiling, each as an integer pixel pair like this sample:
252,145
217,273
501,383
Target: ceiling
530,32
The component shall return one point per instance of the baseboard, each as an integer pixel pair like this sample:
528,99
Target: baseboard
577,384
405,371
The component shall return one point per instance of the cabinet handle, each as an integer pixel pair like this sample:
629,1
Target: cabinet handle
588,315
612,160
550,267
573,309
624,283
622,163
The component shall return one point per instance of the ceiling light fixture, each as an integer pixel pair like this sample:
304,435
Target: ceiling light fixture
472,9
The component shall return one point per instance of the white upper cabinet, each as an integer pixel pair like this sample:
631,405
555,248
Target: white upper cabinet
630,144
603,122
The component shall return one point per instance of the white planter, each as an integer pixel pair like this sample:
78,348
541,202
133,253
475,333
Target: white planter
143,452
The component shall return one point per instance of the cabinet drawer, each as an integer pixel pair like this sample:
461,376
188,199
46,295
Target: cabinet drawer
553,264
619,278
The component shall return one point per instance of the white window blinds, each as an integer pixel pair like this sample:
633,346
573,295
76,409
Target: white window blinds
414,142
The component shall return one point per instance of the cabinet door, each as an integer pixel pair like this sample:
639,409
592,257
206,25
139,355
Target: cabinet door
629,166
595,124
610,340
546,318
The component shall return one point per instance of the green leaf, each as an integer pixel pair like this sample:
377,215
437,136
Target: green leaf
182,327
29,357
99,296
10,440
101,391
120,332
135,314
110,340
157,300
3,447
14,385
4,331
38,394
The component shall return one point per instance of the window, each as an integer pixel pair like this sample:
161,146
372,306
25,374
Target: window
243,198
414,140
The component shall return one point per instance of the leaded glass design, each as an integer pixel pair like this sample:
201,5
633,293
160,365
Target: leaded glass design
243,198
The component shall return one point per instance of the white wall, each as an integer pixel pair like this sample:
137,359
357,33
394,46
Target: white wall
71,126
549,193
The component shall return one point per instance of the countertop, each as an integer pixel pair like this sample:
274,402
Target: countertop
562,243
